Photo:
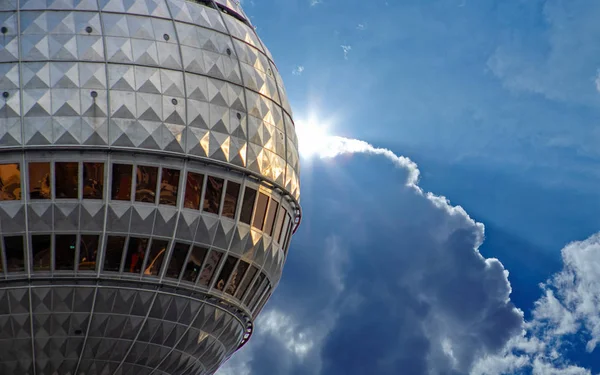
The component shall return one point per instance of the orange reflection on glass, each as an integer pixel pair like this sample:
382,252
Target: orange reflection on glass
93,180
209,268
193,190
66,180
121,182
39,181
155,257
168,186
88,250
145,188
212,196
10,182
135,254
231,199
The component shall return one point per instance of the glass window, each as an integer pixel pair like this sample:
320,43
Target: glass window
88,250
64,252
231,199
281,231
262,301
156,257
261,211
180,251
145,188
254,288
258,296
226,272
209,268
121,182
193,190
93,180
168,186
66,180
194,264
15,256
212,197
10,182
135,254
237,275
270,223
41,246
247,205
114,251
288,233
39,181
246,282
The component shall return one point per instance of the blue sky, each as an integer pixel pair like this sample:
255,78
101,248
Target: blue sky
498,104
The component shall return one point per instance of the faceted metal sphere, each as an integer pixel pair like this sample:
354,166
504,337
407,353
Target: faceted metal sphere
148,185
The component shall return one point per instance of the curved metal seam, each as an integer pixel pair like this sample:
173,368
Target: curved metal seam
87,330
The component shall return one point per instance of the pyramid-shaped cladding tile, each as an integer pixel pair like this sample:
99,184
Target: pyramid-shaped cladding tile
9,76
197,141
38,130
119,50
148,330
42,325
91,216
175,309
173,137
123,301
142,303
118,217
165,221
21,325
66,130
4,310
12,218
5,329
186,226
121,77
207,227
240,237
159,307
198,114
83,299
219,148
64,75
224,233
40,216
98,325
142,219
62,299
148,80
41,299
10,132
66,216
105,298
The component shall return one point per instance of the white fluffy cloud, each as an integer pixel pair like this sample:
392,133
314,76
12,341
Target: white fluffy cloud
403,284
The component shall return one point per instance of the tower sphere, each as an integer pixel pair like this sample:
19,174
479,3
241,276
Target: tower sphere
148,185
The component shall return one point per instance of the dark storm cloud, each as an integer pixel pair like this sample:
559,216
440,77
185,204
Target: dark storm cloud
381,278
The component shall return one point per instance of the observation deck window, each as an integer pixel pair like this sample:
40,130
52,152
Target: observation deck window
93,180
232,194
270,223
114,252
145,189
180,251
66,180
246,282
282,222
169,185
237,275
264,293
88,251
41,247
193,190
254,289
261,211
121,182
64,252
156,255
212,263
248,205
225,272
193,265
39,181
212,196
135,254
10,182
15,254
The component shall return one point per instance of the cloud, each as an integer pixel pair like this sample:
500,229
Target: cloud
361,27
347,50
298,70
315,2
386,277
569,306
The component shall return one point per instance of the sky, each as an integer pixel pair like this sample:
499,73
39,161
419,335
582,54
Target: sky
449,188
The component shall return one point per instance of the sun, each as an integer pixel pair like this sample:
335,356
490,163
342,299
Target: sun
312,135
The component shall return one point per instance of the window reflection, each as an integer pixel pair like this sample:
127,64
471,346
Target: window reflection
135,254
270,223
259,294
10,182
261,211
288,232
263,301
93,180
145,188
225,272
237,275
254,288
194,264
39,181
121,182
40,249
177,260
114,251
66,180
193,190
88,250
156,257
209,268
282,223
212,197
64,252
168,186
247,205
231,199
246,282
13,249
